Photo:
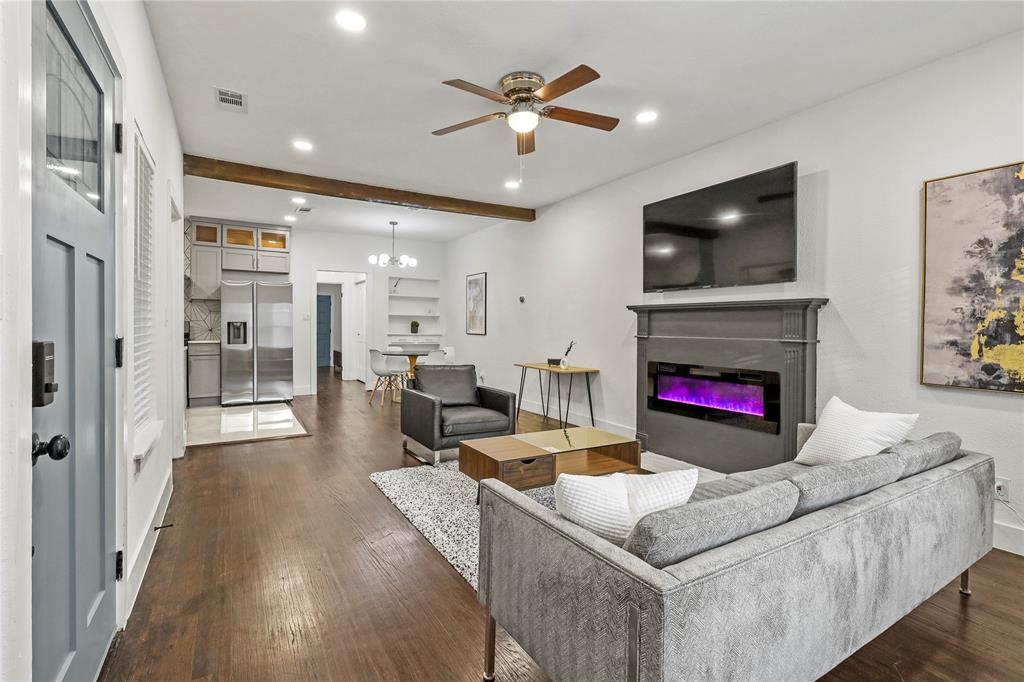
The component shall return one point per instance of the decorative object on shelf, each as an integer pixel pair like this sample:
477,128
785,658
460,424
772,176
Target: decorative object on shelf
972,318
476,304
386,259
414,327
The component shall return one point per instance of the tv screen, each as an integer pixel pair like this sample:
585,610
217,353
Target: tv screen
735,233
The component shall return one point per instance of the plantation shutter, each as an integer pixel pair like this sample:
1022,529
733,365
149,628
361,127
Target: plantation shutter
142,303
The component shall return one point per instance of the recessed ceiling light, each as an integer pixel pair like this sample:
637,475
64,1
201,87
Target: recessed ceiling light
298,200
729,216
511,184
646,116
302,145
290,218
350,21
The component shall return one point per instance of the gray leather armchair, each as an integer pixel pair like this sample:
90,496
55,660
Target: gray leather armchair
445,406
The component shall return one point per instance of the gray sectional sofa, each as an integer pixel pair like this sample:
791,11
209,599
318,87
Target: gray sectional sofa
775,574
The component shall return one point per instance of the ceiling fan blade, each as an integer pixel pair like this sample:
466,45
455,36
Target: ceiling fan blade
477,90
525,143
583,118
472,122
567,82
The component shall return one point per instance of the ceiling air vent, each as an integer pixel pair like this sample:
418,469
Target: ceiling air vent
303,209
232,100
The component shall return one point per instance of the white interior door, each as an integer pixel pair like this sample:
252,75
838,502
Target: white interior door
359,331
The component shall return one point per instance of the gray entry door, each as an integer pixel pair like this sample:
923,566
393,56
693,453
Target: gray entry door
323,330
73,601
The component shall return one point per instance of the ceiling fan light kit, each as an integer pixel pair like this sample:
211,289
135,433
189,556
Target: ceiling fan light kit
525,92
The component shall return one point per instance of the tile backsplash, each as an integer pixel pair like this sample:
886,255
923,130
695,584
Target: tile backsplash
202,316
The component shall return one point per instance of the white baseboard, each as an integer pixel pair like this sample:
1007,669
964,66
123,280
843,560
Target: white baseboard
1008,537
135,570
580,418
302,390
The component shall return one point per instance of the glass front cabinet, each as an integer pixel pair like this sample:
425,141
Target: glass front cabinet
207,234
240,237
274,239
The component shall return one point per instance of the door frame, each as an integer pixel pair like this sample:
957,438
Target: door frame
16,326
346,302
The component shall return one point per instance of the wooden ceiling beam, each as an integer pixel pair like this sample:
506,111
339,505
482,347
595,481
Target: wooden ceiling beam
311,184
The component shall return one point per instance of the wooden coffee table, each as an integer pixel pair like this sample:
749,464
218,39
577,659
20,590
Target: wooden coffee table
532,460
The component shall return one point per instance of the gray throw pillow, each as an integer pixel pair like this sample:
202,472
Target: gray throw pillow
927,453
453,384
669,536
828,484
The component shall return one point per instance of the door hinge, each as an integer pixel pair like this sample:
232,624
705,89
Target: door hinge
119,351
119,565
118,137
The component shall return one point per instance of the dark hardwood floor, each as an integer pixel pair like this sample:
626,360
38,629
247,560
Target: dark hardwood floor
286,563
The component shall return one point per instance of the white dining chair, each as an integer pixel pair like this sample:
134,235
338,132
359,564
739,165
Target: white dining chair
434,357
388,378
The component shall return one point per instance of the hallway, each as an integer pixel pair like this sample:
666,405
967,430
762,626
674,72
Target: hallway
286,563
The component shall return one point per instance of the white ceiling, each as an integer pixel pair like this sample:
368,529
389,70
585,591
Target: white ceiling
368,101
248,203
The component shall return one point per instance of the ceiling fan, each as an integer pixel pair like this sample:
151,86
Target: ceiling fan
526,93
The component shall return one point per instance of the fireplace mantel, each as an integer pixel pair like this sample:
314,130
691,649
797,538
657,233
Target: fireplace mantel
778,335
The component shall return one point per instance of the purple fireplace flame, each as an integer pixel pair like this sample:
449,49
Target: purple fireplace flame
719,395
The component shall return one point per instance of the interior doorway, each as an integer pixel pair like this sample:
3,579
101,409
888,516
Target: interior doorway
340,325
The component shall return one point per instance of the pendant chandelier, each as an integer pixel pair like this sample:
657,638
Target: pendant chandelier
385,259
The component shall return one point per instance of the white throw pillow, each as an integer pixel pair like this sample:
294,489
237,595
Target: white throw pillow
844,433
609,506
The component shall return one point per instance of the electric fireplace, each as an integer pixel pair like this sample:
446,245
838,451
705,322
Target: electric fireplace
744,398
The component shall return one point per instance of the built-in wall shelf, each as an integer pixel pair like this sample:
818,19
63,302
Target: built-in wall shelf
414,298
430,335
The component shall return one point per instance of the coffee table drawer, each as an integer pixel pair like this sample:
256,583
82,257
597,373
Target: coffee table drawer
529,473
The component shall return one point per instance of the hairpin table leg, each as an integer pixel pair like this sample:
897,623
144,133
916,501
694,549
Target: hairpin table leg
590,401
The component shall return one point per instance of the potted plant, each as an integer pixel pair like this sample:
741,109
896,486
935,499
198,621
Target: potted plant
414,327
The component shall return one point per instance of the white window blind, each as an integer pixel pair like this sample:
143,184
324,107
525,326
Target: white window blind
142,302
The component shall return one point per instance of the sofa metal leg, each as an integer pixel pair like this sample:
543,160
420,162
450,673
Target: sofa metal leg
965,583
489,649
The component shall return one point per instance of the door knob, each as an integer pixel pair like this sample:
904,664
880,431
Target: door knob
57,447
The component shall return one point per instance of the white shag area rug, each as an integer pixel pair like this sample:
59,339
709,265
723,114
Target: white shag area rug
441,503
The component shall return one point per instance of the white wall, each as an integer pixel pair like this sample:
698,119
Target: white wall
862,159
314,250
146,487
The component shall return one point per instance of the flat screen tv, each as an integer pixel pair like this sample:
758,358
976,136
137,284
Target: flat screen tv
735,233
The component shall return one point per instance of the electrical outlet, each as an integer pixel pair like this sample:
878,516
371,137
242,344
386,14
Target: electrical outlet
1003,489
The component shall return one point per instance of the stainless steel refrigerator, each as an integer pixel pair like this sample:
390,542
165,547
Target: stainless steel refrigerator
255,342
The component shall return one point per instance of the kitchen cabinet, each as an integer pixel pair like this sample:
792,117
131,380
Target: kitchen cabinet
206,266
273,262
239,237
204,233
239,259
204,371
274,239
